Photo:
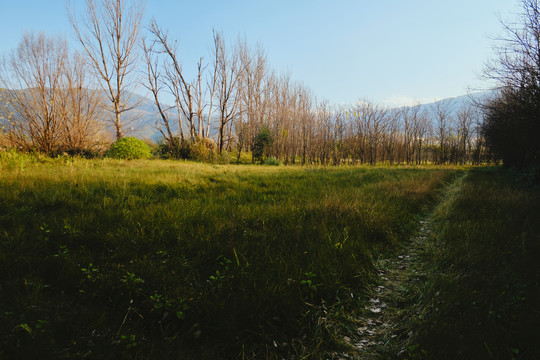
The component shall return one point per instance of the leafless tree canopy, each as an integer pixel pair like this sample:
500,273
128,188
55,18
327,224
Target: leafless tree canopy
517,52
47,104
109,32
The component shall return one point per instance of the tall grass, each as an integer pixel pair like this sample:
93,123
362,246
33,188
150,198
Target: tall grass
484,294
159,259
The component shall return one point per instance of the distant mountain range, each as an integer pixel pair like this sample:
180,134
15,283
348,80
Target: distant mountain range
148,115
455,104
146,118
462,101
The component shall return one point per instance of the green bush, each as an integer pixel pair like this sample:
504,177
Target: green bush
170,149
223,158
198,151
203,150
129,148
262,142
272,161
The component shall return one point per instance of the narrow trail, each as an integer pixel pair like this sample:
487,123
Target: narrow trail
382,330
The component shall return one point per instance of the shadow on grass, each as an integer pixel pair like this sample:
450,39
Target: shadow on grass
482,298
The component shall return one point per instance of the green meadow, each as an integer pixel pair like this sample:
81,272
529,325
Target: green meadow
481,295
167,259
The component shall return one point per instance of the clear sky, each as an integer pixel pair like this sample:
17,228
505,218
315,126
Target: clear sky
389,51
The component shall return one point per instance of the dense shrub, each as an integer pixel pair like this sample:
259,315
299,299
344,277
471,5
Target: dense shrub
262,142
169,149
511,126
272,161
204,150
129,148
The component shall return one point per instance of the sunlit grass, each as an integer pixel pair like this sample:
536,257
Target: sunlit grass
154,258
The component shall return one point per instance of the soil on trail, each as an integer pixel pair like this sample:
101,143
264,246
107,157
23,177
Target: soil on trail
384,330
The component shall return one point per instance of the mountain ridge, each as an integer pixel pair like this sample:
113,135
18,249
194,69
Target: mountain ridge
144,117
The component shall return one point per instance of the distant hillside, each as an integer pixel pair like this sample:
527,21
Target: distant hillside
465,100
459,102
145,116
456,104
146,125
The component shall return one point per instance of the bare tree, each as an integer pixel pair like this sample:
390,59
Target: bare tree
358,134
51,107
281,116
199,95
155,85
442,112
83,118
330,137
511,127
517,53
254,88
408,116
390,141
212,82
229,72
372,120
33,79
109,35
305,117
188,96
465,127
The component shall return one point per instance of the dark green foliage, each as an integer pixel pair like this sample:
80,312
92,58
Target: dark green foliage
129,148
204,150
512,126
261,143
170,149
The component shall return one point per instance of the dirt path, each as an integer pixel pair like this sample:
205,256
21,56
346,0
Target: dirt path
382,330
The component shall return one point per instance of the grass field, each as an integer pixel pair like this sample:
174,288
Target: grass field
481,297
163,259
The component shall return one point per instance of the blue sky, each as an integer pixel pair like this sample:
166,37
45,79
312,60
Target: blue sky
388,51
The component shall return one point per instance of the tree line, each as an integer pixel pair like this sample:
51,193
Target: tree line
53,103
512,119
